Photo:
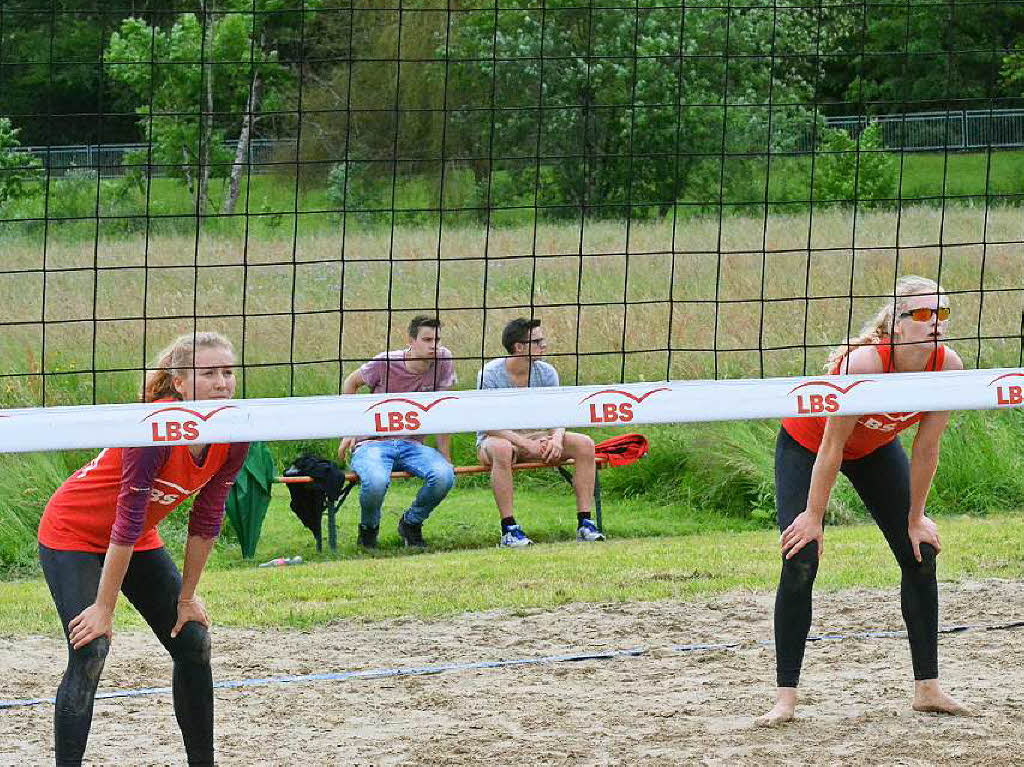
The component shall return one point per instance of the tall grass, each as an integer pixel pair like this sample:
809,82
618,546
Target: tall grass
689,299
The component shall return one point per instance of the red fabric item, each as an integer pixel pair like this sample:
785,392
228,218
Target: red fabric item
622,450
872,431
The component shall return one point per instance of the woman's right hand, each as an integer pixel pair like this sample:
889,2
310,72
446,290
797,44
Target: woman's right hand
804,529
93,622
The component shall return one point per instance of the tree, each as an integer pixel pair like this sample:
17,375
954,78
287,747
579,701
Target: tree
17,169
626,110
53,66
912,56
1012,70
856,169
206,75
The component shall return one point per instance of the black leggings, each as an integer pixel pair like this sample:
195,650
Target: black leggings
882,480
152,584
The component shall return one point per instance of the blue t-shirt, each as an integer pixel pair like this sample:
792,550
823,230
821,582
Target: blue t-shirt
495,376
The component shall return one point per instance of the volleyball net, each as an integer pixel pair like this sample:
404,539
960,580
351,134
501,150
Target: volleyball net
699,191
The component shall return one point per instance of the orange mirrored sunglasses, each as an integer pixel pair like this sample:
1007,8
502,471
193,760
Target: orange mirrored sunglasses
925,313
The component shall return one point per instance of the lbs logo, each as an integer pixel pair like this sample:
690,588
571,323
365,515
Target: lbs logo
386,421
618,408
1009,394
818,403
167,430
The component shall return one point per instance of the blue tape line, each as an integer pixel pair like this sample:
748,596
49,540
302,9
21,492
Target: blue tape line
385,673
379,673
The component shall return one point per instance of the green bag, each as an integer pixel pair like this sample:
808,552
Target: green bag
247,504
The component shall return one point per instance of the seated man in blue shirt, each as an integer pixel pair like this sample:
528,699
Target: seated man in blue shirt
525,342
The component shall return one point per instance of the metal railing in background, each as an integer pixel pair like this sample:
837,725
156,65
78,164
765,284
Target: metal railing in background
112,160
959,130
954,130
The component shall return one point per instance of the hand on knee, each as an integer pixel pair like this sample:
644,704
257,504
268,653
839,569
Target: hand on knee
799,572
92,656
192,645
926,567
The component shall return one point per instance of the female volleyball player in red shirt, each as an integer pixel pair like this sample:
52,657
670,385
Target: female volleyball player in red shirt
811,451
98,536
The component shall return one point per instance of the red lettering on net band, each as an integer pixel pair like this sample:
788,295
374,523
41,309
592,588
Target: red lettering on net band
831,385
1009,395
822,404
633,397
386,421
172,431
616,412
179,409
424,408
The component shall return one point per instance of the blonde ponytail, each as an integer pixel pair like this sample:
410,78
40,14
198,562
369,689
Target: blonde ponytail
176,360
882,324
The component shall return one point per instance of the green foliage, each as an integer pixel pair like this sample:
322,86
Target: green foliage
929,59
27,480
236,53
18,170
350,188
168,95
1012,69
609,160
74,195
856,169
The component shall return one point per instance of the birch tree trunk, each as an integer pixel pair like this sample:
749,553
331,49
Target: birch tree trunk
244,139
206,116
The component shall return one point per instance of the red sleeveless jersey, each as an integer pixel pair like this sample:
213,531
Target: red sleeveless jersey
80,515
872,431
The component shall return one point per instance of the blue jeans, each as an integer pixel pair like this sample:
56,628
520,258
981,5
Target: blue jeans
375,460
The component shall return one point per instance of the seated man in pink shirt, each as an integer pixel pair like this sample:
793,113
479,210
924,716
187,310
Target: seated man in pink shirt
422,366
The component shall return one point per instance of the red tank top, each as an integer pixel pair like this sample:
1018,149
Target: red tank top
872,431
80,515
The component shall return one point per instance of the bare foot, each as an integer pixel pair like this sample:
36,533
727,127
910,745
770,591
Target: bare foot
930,698
782,711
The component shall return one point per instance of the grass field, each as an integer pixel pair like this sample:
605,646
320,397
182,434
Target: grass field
672,565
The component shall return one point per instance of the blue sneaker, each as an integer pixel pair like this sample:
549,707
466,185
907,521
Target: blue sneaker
514,538
587,532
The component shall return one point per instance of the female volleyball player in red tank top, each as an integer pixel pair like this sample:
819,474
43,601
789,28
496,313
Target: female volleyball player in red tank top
905,336
98,536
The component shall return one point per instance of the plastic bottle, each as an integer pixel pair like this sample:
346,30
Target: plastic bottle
283,562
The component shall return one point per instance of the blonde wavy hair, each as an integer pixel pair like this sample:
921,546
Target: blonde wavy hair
177,360
882,324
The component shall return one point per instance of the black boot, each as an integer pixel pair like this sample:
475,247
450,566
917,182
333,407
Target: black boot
368,536
412,535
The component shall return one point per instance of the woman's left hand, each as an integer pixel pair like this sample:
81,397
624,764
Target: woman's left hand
190,610
923,530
